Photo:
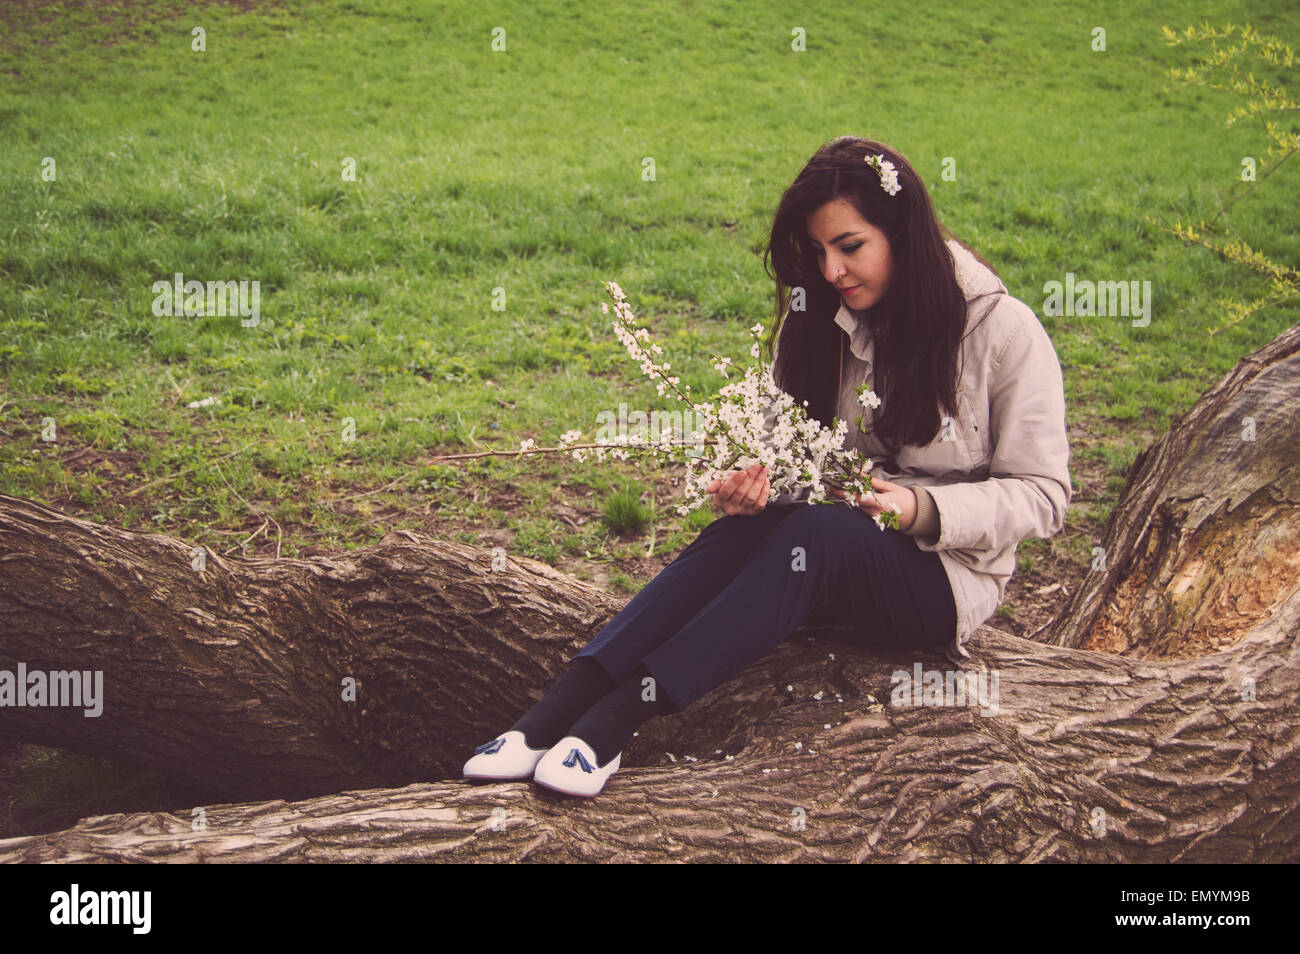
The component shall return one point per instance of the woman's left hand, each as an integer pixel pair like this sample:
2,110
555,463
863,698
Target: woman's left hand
888,496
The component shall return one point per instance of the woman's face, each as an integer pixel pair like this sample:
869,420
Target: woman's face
852,253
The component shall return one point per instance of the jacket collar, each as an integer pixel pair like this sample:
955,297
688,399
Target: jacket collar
859,332
975,280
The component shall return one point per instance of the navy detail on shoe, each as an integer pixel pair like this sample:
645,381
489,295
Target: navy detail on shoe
574,758
490,747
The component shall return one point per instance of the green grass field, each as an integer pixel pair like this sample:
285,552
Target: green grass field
522,170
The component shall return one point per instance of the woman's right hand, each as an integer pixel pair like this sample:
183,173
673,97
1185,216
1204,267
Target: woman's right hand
743,492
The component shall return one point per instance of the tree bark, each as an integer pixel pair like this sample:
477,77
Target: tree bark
1091,757
1204,541
232,677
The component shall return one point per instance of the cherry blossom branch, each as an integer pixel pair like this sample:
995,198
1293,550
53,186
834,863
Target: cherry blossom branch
798,452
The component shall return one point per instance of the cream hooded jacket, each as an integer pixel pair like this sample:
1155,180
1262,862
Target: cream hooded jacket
998,474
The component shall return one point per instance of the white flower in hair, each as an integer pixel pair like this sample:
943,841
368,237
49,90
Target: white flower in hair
888,174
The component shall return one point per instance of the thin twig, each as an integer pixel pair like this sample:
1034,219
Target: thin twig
279,533
71,457
653,523
397,513
184,470
243,543
1245,192
566,449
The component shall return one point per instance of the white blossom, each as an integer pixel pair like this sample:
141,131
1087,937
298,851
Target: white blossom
796,449
888,174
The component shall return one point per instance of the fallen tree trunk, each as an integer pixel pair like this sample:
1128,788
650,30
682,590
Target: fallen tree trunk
233,677
1091,758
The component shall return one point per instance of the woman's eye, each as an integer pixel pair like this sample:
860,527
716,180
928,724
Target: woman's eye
846,249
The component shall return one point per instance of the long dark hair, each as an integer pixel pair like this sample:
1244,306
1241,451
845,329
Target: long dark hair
917,325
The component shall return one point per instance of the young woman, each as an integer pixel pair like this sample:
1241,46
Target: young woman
969,448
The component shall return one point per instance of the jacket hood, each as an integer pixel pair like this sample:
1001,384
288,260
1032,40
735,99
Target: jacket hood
975,278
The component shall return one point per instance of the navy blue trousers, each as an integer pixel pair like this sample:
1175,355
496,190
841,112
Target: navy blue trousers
748,581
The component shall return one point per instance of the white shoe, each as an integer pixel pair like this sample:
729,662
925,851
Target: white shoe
504,759
570,767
